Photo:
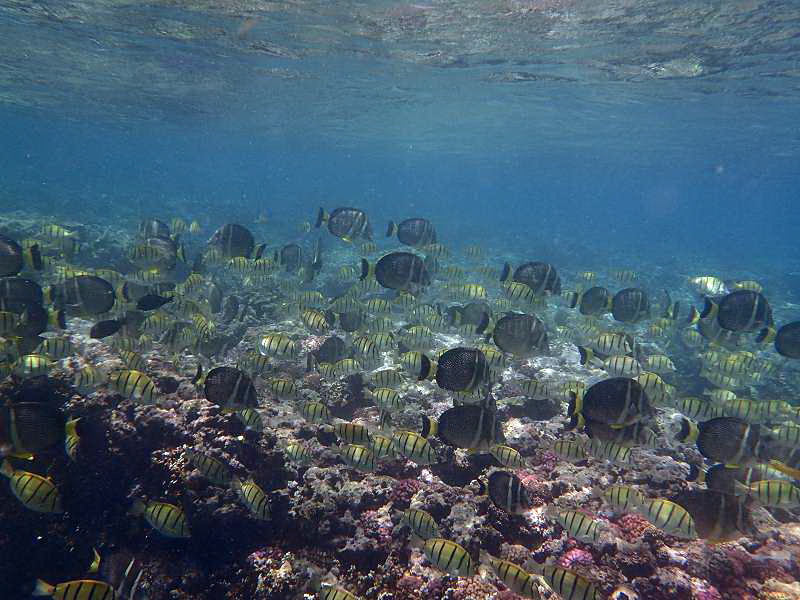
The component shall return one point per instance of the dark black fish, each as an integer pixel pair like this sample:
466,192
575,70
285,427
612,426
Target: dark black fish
630,435
332,350
413,232
36,317
290,257
541,277
473,313
594,302
730,440
30,427
617,401
398,271
11,260
346,223
84,294
350,321
153,228
19,288
506,492
103,329
462,370
630,305
230,387
152,302
131,291
467,426
717,517
520,334
744,310
233,240
787,340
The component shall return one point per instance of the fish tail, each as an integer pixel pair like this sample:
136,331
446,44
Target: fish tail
322,217
430,427
391,229
71,427
586,354
367,269
6,468
688,432
42,588
506,272
137,508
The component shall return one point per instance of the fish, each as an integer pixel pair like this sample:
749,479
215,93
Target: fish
229,387
134,385
88,377
79,589
474,427
11,257
413,232
787,340
299,453
71,439
386,399
421,523
282,387
57,348
513,576
352,433
152,302
83,294
506,492
315,412
668,516
449,557
616,365
277,345
541,277
33,365
250,418
567,583
346,223
358,457
329,592
717,517
232,240
253,497
630,305
507,456
744,310
775,493
213,469
623,498
35,492
728,440
610,451
462,370
569,450
594,302
167,519
618,401
579,525
104,329
398,271
414,447
519,334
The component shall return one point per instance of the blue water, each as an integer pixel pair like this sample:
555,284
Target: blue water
627,134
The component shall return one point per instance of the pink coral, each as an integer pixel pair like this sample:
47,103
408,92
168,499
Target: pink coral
575,558
633,526
402,492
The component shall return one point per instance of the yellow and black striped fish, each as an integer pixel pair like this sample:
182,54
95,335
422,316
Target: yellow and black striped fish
513,576
415,448
299,453
213,469
449,557
253,497
421,523
623,498
507,456
315,412
775,493
283,388
352,433
277,345
35,492
167,519
250,418
568,584
670,517
80,589
134,385
329,592
359,457
71,438
579,525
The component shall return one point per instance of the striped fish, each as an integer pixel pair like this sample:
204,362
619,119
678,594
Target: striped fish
329,592
507,456
71,438
415,448
669,517
569,450
81,589
250,418
253,497
315,412
167,519
449,557
283,388
568,584
299,453
421,523
35,492
513,576
623,498
213,469
359,457
277,345
775,492
610,451
579,525
352,433
386,398
134,385
381,445
133,360
386,377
